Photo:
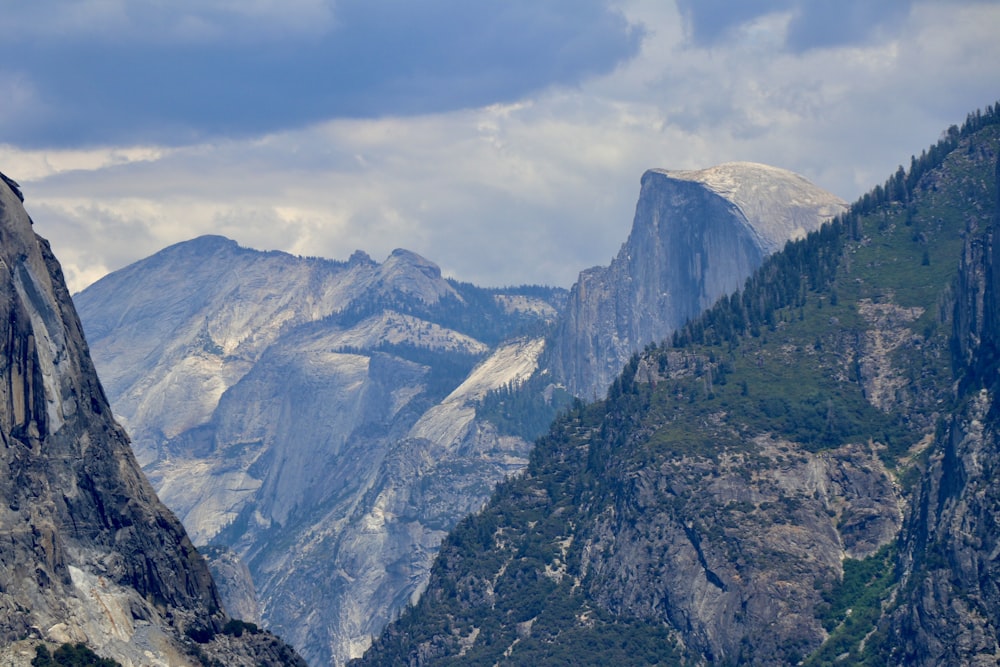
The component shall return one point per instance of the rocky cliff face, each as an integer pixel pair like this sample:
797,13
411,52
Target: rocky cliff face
316,417
234,581
90,555
742,547
950,608
697,235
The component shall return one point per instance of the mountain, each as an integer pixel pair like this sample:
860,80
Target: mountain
315,419
696,236
802,475
90,554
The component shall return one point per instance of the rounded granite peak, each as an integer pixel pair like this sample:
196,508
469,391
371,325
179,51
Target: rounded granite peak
410,257
407,261
778,204
406,272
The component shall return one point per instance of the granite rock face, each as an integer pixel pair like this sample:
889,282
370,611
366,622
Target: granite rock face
235,584
697,235
315,417
91,555
748,552
950,604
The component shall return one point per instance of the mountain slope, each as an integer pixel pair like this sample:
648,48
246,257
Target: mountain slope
90,555
949,610
315,417
696,236
736,498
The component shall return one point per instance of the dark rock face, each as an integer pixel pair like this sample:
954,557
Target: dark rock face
90,553
696,237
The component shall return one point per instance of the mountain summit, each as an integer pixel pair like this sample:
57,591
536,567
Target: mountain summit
90,554
696,236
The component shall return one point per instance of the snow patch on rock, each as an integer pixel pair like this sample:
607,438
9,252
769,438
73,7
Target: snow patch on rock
778,204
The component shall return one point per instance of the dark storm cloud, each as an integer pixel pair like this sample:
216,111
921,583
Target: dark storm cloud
138,73
814,23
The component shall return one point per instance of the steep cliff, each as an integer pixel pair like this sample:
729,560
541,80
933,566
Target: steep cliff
949,611
316,417
696,236
90,554
739,496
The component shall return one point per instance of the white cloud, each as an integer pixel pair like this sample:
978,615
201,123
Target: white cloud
34,165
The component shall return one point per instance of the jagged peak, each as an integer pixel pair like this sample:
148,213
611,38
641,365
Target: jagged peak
360,258
90,554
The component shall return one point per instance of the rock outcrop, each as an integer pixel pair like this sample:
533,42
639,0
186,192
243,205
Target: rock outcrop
697,235
741,547
90,554
235,583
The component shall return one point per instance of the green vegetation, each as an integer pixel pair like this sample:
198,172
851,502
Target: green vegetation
781,355
70,655
525,410
852,609
233,628
608,642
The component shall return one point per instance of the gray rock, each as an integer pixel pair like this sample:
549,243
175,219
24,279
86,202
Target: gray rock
741,547
697,235
232,578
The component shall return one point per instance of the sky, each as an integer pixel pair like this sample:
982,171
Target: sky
503,140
